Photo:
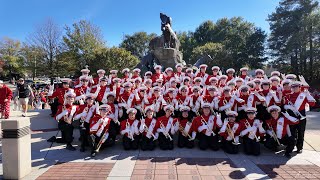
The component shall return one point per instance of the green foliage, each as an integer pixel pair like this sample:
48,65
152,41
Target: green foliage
82,40
294,38
187,44
10,54
113,58
216,50
137,44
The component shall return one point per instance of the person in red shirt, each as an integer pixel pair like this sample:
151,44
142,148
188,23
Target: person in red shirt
278,131
167,127
207,126
129,128
296,105
230,132
82,90
126,75
99,128
136,73
259,73
186,134
59,94
5,98
148,128
251,130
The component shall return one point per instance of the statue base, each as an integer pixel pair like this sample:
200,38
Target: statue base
168,57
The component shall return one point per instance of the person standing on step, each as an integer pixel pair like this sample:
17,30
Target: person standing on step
24,92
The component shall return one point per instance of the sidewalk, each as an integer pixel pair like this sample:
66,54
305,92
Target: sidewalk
52,161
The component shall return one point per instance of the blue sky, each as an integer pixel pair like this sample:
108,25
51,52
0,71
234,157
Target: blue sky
119,17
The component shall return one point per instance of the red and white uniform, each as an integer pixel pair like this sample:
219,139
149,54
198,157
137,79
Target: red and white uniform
300,99
100,92
214,124
256,128
229,103
188,128
69,112
170,125
251,100
235,127
271,98
151,125
281,126
99,125
59,93
129,127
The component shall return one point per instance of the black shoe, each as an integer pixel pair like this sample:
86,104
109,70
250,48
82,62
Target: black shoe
70,147
299,151
52,139
287,155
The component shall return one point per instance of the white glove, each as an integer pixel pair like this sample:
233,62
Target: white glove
225,122
201,128
81,102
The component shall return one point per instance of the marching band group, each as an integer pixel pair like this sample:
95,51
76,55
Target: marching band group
218,111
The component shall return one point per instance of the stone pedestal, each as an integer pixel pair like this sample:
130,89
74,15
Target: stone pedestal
16,148
168,57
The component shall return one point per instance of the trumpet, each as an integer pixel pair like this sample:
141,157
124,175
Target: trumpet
165,133
247,124
130,135
274,135
102,140
146,129
230,133
185,134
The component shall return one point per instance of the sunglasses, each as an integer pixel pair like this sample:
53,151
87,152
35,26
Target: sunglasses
244,90
257,82
183,90
231,117
142,91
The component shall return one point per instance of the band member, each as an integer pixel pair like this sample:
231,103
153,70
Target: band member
129,128
249,98
157,74
123,100
213,81
228,103
148,129
195,100
99,128
251,130
189,73
210,96
257,84
215,71
230,73
126,75
278,131
114,116
259,73
230,132
183,98
170,100
296,102
101,74
64,117
275,84
113,75
147,75
5,98
157,101
167,126
137,83
202,74
101,90
85,72
82,90
186,134
59,94
168,75
222,81
239,82
197,82
244,74
136,73
179,74
207,126
271,98
85,112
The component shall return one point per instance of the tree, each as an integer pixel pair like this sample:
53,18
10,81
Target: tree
138,43
293,36
10,54
217,52
204,33
187,44
47,38
113,58
81,41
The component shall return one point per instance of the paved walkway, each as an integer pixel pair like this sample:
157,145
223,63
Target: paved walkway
52,161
